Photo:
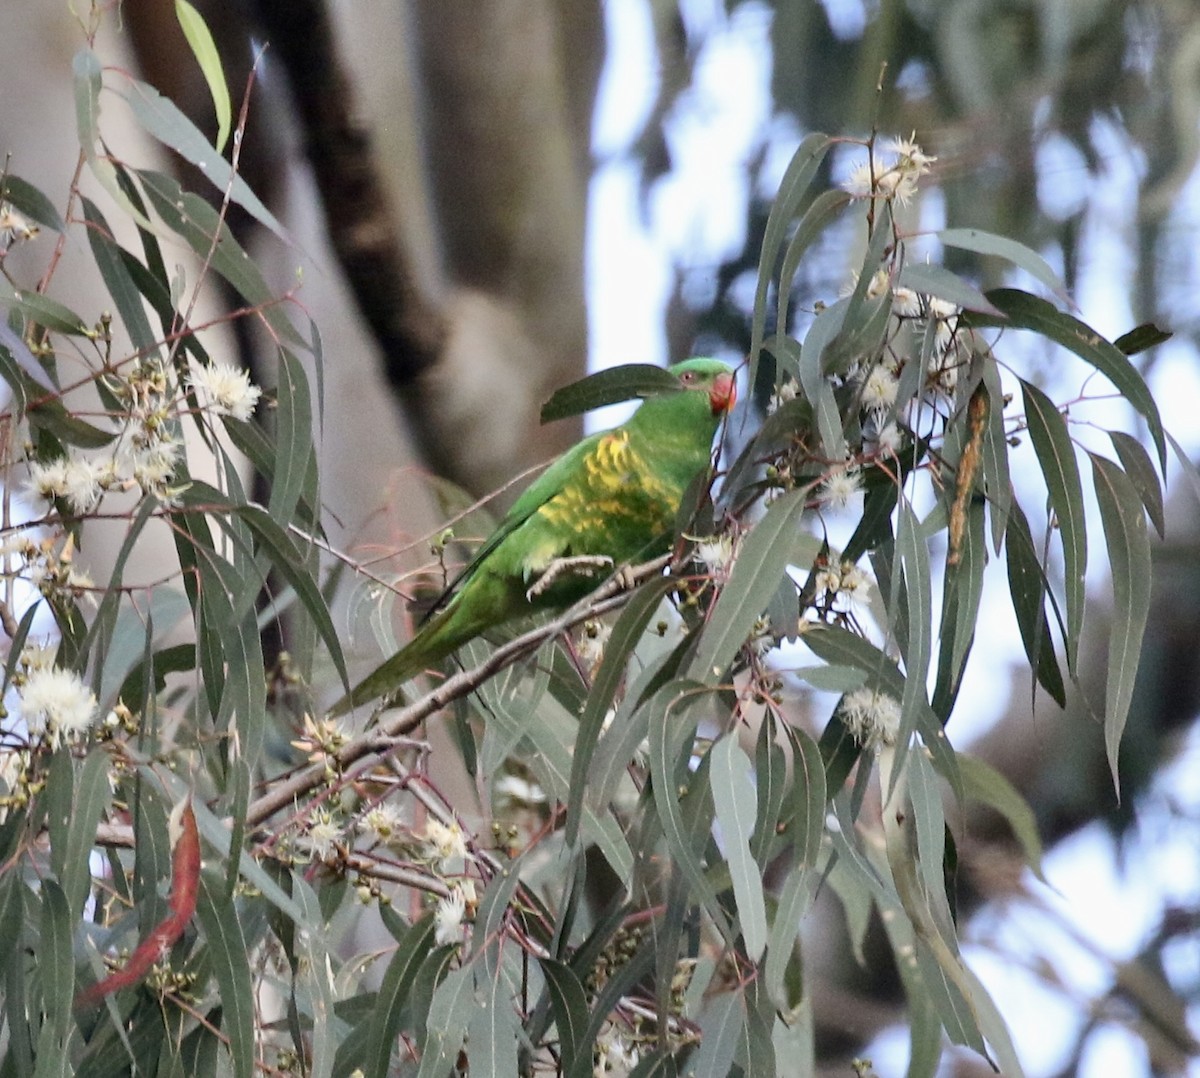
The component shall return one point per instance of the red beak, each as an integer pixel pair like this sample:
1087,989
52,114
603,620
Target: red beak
723,395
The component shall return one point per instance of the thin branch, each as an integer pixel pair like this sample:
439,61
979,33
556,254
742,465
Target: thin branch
380,739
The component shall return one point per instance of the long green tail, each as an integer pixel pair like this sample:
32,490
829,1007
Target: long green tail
445,632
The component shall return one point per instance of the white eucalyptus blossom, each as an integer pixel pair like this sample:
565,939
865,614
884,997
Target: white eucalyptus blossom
322,834
872,717
225,389
445,843
382,822
880,388
448,917
56,704
839,488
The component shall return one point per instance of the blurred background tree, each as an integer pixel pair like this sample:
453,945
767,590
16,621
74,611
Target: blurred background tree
434,161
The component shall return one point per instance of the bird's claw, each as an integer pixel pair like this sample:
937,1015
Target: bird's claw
582,563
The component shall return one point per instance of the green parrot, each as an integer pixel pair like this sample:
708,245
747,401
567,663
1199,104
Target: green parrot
610,500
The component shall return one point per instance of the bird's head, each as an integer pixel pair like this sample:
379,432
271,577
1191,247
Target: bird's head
711,376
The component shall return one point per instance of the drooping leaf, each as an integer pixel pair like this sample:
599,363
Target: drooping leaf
823,209
402,970
231,967
734,801
625,634
112,262
984,783
569,1003
756,573
92,795
722,1026
940,282
1056,455
88,73
988,243
1024,311
1140,470
449,1017
200,41
1027,589
1124,521
793,188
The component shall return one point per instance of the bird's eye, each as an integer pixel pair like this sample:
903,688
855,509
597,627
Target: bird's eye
688,377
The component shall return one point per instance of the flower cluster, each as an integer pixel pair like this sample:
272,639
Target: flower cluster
49,565
55,703
872,717
224,389
846,584
892,175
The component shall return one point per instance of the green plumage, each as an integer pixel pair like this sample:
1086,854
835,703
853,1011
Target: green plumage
614,495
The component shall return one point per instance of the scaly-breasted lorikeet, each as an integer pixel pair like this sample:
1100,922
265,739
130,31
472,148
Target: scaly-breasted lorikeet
610,500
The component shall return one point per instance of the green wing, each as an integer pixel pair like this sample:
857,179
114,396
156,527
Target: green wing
550,483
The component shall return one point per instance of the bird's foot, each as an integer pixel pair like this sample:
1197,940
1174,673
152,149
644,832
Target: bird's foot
582,563
626,578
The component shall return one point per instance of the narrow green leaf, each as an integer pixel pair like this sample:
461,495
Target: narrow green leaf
1140,469
797,177
630,381
42,310
770,780
795,900
200,226
384,1027
1029,312
92,795
569,1002
293,437
87,72
961,596
449,1017
1056,455
938,281
1138,339
493,1033
997,483
929,823
670,743
287,560
722,1026
807,797
756,573
27,199
625,634
812,223
1027,589
1124,521
983,782
817,387
993,1027
54,958
988,243
912,556
162,120
231,966
200,40
111,261
734,801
